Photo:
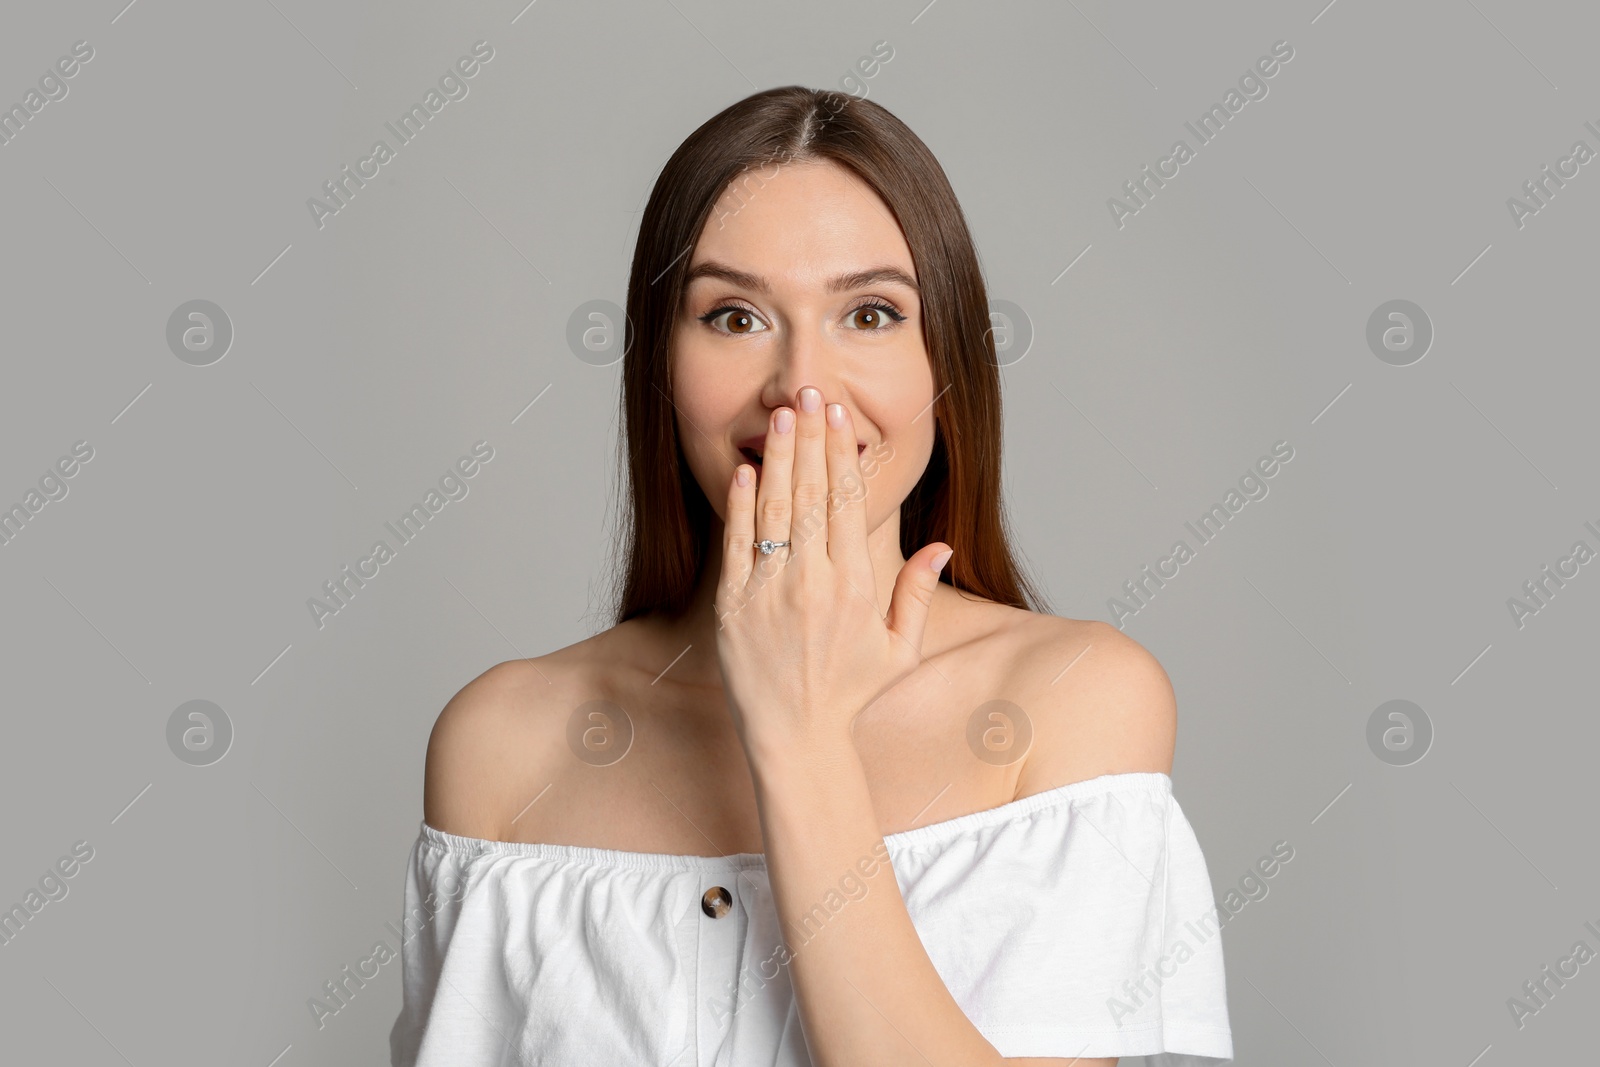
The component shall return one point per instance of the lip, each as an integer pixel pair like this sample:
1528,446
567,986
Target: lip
750,445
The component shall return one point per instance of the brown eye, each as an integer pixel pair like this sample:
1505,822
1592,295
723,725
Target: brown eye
740,321
875,316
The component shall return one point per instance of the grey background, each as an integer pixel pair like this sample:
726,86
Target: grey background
1230,313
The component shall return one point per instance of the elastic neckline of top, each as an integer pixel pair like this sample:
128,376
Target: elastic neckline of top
1127,781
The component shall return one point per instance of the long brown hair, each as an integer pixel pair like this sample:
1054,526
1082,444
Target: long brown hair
957,500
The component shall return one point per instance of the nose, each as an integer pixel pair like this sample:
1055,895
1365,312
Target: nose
803,359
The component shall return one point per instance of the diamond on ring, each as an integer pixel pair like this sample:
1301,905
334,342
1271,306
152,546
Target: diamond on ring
768,547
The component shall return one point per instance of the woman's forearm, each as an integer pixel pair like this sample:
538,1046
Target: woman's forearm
866,989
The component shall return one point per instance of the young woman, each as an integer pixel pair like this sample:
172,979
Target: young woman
812,800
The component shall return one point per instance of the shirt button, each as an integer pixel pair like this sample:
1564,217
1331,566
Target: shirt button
716,902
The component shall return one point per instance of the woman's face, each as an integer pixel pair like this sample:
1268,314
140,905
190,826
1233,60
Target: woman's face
803,278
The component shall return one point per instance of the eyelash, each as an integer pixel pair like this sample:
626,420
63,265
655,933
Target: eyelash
876,303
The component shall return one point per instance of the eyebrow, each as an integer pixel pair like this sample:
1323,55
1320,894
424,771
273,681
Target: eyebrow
860,279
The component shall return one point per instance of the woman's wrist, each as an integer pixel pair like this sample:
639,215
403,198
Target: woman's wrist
799,757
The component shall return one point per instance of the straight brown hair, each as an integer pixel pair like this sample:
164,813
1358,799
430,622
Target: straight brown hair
957,500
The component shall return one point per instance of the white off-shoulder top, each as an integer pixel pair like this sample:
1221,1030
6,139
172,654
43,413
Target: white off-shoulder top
1073,922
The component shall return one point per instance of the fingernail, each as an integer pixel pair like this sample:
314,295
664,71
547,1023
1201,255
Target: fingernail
743,475
810,398
938,562
836,416
785,421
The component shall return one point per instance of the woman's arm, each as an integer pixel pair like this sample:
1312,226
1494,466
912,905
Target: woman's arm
866,990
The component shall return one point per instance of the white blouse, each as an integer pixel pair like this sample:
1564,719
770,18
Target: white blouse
1074,922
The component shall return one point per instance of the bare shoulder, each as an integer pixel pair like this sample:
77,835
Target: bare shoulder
497,730
1099,703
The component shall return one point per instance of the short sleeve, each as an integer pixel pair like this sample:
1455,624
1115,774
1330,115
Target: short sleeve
436,881
1082,927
